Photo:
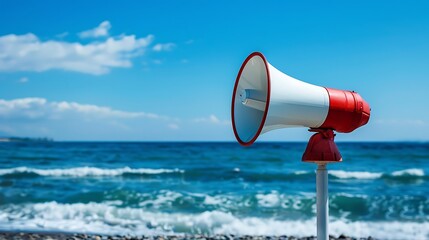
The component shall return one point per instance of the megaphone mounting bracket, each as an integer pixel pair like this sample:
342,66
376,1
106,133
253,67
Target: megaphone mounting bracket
321,147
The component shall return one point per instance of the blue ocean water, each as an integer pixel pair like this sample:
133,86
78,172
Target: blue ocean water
379,190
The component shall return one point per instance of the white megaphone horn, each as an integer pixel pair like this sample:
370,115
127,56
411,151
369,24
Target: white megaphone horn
265,99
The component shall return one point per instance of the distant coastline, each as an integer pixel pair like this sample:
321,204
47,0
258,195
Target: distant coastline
25,139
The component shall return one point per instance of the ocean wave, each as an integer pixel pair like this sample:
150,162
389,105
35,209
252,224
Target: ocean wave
301,172
85,171
268,200
106,218
401,174
409,172
263,203
357,175
300,175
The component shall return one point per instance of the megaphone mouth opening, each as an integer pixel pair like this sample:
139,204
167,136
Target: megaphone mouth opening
267,101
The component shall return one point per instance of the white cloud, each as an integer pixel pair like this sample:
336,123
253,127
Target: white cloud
101,30
40,108
62,35
163,47
67,120
28,53
173,126
157,61
23,80
212,119
38,117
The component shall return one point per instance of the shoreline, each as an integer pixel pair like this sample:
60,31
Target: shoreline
24,235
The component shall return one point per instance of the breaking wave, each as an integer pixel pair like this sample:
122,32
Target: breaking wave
406,174
357,175
105,218
85,171
401,174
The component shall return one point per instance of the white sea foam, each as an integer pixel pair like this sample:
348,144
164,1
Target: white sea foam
164,197
374,175
357,175
300,172
409,172
105,218
214,200
87,171
268,200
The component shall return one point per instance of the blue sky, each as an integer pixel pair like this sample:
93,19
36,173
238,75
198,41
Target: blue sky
164,70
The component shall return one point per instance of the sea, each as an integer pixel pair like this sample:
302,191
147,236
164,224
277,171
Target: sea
176,188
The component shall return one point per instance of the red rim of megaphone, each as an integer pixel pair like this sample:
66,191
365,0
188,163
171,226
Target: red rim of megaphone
267,101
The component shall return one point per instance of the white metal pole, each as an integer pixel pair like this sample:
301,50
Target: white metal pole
322,202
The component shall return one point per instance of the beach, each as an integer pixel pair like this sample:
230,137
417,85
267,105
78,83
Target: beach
210,189
71,236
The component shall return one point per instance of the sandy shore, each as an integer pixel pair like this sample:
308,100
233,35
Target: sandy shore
72,236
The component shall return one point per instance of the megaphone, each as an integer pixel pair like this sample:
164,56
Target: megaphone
265,99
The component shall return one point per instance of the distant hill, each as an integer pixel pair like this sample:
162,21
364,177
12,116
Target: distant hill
25,139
